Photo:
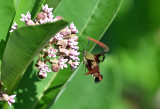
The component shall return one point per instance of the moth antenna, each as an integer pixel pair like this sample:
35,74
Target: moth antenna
104,46
88,44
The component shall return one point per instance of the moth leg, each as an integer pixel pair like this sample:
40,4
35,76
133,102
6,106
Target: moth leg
88,44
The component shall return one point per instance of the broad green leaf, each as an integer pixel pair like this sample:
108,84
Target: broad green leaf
92,18
7,13
23,45
84,93
53,3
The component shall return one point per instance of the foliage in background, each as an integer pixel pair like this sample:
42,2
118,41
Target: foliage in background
91,17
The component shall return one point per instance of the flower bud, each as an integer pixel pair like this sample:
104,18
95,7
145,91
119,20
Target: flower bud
42,74
41,16
55,67
59,17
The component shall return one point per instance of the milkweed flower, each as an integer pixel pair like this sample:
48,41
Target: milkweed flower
15,26
9,99
62,49
46,9
26,17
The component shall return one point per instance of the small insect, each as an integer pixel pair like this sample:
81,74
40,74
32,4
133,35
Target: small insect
91,61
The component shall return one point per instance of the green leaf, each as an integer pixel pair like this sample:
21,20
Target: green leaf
92,18
7,13
53,3
16,2
23,45
84,93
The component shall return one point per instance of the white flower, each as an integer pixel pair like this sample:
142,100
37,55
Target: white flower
73,28
43,66
74,64
26,17
42,73
66,31
46,9
73,57
59,36
74,52
52,52
9,99
13,27
62,62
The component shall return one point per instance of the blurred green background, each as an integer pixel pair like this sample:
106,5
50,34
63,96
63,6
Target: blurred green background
131,70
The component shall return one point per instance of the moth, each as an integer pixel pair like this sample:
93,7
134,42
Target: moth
92,61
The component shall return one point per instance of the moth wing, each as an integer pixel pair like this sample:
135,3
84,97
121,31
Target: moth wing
94,70
97,57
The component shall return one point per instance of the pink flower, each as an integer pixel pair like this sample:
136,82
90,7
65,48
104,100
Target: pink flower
51,52
46,9
9,99
50,16
13,27
66,31
57,18
43,66
74,64
26,17
75,38
65,51
59,36
73,57
73,28
42,74
62,62
72,43
74,52
76,47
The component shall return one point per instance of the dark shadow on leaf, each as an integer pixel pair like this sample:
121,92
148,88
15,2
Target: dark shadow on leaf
2,47
26,91
53,88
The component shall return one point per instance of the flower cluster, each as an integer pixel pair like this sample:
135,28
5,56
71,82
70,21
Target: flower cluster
60,51
62,48
43,17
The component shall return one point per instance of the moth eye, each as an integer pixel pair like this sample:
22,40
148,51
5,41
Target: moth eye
96,80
